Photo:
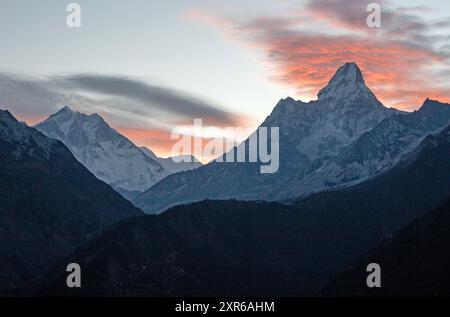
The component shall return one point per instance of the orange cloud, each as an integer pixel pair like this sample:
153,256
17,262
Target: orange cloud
29,119
395,72
161,142
398,61
158,141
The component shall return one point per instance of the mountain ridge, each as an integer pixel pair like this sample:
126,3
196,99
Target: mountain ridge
313,138
108,154
237,248
50,204
377,150
414,263
174,164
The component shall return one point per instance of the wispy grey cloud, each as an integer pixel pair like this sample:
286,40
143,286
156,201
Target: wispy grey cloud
159,98
401,24
126,102
26,95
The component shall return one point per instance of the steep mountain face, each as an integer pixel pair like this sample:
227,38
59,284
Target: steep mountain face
50,204
110,156
310,135
174,164
231,248
345,109
416,262
416,185
374,151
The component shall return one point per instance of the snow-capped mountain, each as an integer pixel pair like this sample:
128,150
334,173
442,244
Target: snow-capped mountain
311,134
174,164
334,229
110,156
375,151
345,109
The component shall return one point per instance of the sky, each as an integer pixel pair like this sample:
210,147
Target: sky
149,66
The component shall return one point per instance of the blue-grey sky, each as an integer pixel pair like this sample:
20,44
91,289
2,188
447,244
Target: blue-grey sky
148,65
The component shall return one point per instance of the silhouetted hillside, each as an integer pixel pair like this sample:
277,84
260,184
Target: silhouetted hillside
49,204
416,262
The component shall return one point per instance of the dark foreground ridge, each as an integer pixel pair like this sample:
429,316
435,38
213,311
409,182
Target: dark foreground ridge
50,204
231,248
416,262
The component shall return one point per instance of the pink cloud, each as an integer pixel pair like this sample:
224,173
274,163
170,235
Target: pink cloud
396,59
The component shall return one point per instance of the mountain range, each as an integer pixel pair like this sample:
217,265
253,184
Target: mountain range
357,182
415,260
50,204
234,248
344,137
110,156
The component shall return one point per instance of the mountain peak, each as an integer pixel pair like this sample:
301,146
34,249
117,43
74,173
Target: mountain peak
433,106
349,72
65,109
8,124
432,102
66,114
6,115
347,78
